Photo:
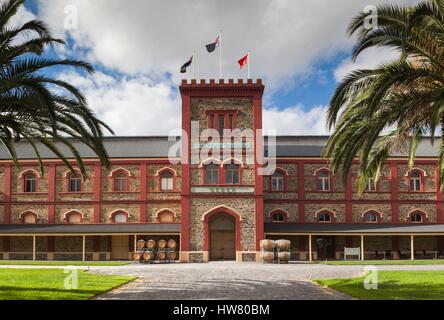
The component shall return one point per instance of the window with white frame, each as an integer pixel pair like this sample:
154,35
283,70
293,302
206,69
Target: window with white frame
167,181
323,181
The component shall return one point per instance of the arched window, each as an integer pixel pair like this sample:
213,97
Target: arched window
371,185
417,217
323,178
74,217
371,217
232,174
167,181
30,182
166,217
120,182
277,181
120,217
324,216
75,183
278,217
29,218
415,181
212,174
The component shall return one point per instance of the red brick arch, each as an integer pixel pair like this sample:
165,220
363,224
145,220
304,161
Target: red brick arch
216,211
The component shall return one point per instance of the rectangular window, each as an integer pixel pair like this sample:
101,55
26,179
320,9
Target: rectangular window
371,185
211,124
30,185
231,122
212,174
167,183
232,174
74,184
221,125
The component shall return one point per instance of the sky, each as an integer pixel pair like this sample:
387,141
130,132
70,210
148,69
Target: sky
299,48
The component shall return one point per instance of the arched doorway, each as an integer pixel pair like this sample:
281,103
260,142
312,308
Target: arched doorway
222,237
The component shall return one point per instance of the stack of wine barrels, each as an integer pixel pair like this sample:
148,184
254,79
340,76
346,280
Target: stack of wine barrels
138,254
171,252
267,250
282,248
150,251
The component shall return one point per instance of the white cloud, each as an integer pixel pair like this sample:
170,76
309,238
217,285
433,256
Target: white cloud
369,59
131,106
296,121
156,37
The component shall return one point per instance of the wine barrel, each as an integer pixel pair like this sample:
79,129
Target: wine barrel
267,256
151,244
284,256
161,255
283,245
161,244
140,244
171,255
137,256
148,256
172,244
267,244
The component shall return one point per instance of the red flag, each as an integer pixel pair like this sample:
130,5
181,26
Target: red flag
243,61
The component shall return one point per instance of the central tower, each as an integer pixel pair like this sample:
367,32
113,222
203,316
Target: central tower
222,192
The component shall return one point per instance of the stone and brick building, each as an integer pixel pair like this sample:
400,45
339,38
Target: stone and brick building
217,205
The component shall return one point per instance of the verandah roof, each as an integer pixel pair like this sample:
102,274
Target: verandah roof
359,229
84,229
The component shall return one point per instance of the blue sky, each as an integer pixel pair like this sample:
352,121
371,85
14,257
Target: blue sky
299,48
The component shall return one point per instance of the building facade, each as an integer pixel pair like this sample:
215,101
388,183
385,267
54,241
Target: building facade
217,206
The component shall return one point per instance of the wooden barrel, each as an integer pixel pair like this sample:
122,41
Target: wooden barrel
283,245
284,256
161,244
172,244
161,255
267,244
267,256
137,256
148,256
171,255
151,244
140,244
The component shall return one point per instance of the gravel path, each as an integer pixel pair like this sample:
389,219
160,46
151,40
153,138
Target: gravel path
230,280
226,280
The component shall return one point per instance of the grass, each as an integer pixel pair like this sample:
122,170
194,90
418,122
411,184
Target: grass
393,285
384,262
63,263
49,284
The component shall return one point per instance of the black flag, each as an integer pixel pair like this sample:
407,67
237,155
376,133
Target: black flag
183,69
212,46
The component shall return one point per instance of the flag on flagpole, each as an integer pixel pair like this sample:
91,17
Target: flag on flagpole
183,69
243,61
212,46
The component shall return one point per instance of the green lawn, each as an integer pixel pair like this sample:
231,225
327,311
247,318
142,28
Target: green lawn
62,263
384,262
49,284
393,285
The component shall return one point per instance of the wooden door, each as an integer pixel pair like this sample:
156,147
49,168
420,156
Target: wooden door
119,250
222,245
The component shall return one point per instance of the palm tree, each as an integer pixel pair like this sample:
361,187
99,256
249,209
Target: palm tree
375,113
36,107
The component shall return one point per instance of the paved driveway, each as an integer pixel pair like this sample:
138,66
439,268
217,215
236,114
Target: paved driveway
226,280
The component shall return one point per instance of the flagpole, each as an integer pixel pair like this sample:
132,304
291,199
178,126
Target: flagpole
248,65
220,54
194,62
